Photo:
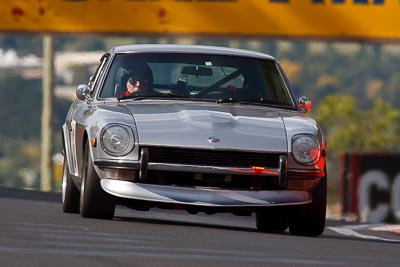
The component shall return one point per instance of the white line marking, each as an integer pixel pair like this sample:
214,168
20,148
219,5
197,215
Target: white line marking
349,232
387,228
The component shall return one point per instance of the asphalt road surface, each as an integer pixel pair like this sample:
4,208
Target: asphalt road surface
35,232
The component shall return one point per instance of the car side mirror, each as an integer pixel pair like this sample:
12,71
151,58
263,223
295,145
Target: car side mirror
304,104
83,93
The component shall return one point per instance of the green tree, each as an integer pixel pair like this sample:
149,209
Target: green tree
20,106
382,127
20,131
349,128
340,120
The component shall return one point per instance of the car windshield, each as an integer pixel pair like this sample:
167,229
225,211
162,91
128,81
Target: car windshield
218,78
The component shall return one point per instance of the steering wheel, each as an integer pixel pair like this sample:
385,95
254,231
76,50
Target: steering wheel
219,83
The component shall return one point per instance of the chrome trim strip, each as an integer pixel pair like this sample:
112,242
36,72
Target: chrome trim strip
214,169
204,196
143,166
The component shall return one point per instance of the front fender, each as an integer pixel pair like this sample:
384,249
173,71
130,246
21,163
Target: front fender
102,117
297,124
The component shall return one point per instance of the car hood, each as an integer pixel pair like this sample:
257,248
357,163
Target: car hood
209,126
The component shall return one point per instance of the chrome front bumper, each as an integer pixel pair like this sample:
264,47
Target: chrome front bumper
204,196
143,165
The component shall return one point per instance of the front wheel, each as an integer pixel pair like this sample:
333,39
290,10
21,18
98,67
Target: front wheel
95,202
69,192
309,219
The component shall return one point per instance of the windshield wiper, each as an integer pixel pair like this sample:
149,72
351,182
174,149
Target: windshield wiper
155,95
181,96
227,100
137,96
267,102
253,101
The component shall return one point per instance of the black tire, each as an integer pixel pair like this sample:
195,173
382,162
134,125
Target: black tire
272,219
69,192
309,220
95,202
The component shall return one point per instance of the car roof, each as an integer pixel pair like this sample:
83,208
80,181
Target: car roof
193,49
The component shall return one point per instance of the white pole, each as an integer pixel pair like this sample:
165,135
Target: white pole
46,166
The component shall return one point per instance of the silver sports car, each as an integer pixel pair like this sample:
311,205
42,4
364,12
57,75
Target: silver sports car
199,128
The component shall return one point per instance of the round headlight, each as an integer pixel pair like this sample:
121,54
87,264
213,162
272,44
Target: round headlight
117,139
306,149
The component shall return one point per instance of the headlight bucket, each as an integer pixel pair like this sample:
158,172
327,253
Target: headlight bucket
306,149
117,139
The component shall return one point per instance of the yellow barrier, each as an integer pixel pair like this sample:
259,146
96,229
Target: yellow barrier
361,19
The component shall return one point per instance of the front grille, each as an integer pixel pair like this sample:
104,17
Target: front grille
203,157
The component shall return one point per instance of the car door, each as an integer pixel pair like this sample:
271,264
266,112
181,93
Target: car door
76,122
